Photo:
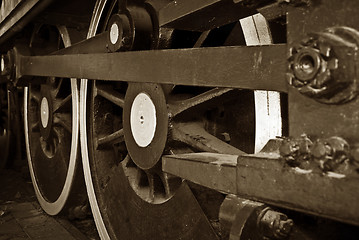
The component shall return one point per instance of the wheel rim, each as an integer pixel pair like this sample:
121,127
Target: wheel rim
51,113
100,225
119,175
267,103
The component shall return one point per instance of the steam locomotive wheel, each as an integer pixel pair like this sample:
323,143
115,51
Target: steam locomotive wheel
51,111
125,130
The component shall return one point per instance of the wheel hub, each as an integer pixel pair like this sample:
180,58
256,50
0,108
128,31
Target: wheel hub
114,33
2,64
44,112
145,123
143,120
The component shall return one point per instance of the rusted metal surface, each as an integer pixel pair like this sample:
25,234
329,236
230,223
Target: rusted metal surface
239,67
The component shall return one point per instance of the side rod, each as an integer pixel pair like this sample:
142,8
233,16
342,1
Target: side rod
259,68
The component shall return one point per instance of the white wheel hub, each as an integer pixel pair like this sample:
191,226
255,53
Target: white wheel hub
2,64
143,120
44,108
114,33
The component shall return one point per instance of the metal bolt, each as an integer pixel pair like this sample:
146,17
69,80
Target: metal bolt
274,224
226,137
321,67
331,153
339,144
320,149
288,147
306,64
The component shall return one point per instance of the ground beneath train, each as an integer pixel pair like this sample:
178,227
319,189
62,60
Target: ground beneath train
21,217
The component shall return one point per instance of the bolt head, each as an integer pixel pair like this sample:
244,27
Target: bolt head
288,147
319,149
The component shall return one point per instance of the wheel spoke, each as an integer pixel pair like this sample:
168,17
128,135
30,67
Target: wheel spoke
127,162
58,87
139,178
170,183
151,185
111,95
63,120
177,107
63,105
166,184
35,127
201,39
59,41
111,139
35,95
196,136
133,173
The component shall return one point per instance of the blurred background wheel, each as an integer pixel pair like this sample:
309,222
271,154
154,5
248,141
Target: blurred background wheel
51,110
8,121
